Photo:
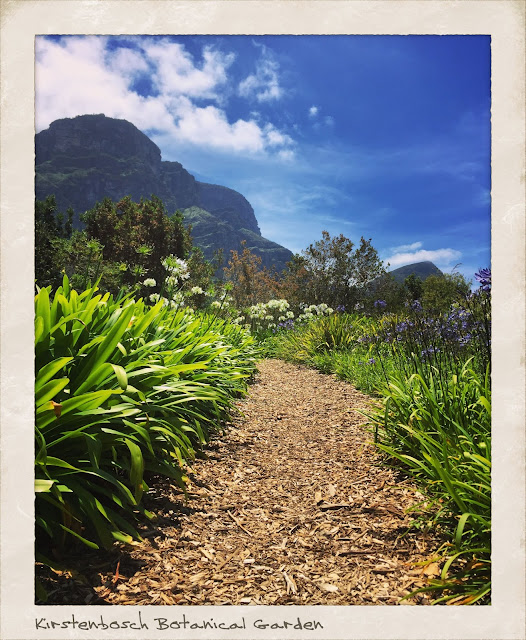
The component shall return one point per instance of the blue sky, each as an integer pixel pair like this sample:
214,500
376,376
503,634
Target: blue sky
382,136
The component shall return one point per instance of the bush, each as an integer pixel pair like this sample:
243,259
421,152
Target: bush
122,389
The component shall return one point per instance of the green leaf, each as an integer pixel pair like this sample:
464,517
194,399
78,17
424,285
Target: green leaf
50,390
43,485
87,542
136,468
50,369
121,376
107,346
42,309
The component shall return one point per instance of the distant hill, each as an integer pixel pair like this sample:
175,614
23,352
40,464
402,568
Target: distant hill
421,270
82,160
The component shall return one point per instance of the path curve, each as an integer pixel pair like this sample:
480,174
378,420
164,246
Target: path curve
289,507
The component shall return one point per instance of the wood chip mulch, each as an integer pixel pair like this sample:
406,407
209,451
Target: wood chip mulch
289,507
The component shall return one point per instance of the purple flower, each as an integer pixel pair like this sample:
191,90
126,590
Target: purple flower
416,306
484,277
429,351
371,361
340,308
380,304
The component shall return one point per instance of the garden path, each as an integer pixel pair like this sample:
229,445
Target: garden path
288,507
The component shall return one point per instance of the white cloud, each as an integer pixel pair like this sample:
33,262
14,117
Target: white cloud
329,121
287,154
313,111
127,62
263,85
72,80
277,138
209,126
79,75
176,74
407,247
442,258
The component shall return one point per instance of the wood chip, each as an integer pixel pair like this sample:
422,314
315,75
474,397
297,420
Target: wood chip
259,478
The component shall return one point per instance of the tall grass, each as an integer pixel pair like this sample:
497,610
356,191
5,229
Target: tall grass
442,435
122,391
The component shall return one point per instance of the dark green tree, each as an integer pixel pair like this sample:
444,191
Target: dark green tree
51,234
413,286
138,235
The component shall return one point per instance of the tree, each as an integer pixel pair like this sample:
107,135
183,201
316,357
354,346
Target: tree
51,234
138,235
337,273
250,282
385,288
440,292
414,286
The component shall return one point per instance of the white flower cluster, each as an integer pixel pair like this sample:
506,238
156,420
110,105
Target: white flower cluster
314,311
266,315
176,267
195,291
149,282
177,301
268,311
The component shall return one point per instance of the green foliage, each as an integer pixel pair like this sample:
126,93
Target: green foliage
138,235
442,434
414,286
386,288
335,272
440,292
51,233
122,391
123,244
333,333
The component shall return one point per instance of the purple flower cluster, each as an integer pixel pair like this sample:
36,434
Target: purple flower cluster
483,276
425,353
287,324
380,304
370,361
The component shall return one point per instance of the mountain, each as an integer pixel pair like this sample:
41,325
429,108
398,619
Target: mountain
84,159
421,270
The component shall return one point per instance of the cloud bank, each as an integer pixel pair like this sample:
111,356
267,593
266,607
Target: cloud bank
442,258
160,87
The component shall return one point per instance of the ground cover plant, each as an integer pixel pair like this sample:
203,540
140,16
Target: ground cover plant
123,391
430,370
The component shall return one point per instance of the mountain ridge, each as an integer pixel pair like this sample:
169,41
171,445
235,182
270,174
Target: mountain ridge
84,159
421,270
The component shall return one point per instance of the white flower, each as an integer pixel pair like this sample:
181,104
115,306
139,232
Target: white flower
216,304
196,291
149,282
176,267
154,297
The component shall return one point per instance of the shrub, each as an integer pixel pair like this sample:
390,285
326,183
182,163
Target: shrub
122,389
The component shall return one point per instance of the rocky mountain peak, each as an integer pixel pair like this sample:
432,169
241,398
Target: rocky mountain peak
85,159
